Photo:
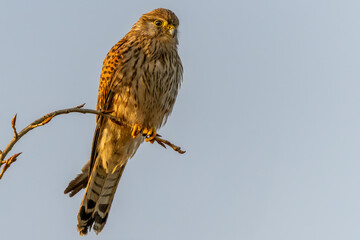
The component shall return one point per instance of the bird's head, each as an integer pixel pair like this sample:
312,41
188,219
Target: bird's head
160,24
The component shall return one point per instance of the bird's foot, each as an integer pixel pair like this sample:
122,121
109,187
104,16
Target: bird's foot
148,133
136,130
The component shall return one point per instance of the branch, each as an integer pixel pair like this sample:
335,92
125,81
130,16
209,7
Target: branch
48,117
7,163
13,122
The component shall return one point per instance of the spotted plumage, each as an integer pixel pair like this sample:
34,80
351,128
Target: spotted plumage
139,83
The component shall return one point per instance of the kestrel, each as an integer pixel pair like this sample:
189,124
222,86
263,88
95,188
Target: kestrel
139,83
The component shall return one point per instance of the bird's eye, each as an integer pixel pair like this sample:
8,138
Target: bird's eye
158,23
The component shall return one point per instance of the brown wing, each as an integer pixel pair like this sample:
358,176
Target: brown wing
104,102
110,64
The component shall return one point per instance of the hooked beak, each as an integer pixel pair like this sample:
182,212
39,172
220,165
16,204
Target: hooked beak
171,30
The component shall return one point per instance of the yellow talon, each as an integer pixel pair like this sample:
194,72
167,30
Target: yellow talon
151,130
136,130
151,134
148,133
144,132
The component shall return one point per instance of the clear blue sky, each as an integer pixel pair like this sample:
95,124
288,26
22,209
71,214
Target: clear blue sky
269,113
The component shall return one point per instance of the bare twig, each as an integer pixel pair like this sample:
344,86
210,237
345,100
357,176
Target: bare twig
48,117
13,122
7,163
162,142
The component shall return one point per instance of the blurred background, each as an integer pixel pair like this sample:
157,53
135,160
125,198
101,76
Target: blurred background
268,113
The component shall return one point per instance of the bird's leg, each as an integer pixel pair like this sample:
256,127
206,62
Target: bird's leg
136,130
149,133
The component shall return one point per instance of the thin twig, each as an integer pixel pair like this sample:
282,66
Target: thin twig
7,163
48,117
13,122
162,142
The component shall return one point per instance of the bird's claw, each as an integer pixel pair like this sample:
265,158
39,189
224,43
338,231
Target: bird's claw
148,133
136,130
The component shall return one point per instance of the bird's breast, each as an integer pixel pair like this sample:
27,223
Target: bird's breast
147,89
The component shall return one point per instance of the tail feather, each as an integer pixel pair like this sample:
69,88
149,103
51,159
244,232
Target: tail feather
79,182
97,200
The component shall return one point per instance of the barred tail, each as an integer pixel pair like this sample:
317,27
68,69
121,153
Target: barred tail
98,197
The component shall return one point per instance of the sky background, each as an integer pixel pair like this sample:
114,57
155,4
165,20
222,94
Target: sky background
269,113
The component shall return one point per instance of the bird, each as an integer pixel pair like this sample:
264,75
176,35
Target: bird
139,83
